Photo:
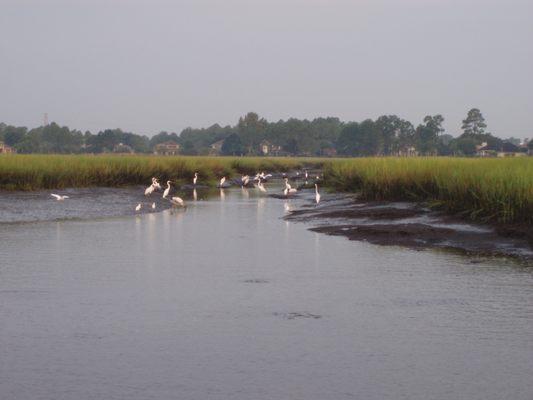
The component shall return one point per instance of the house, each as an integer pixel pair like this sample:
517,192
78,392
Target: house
216,147
5,149
169,148
123,149
329,152
409,151
266,148
484,150
504,149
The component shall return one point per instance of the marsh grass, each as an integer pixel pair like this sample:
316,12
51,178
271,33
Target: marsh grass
32,172
481,189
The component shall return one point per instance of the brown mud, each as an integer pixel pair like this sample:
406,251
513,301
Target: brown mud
416,227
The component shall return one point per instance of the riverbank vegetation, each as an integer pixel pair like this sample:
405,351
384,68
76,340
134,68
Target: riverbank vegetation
496,190
499,190
32,172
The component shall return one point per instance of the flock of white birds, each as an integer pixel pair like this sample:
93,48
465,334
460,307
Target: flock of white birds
257,181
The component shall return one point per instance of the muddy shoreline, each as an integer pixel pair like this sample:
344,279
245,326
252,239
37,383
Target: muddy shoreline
415,226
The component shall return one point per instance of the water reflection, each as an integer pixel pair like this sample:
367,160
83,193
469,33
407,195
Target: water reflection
223,296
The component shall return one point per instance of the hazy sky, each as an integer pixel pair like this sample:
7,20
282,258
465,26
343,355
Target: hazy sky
147,66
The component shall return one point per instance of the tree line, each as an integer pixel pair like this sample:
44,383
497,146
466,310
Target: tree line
253,135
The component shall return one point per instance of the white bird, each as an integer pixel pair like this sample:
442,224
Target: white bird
153,205
138,208
222,180
167,190
59,197
177,201
149,190
288,188
244,180
195,179
306,175
317,195
261,187
156,184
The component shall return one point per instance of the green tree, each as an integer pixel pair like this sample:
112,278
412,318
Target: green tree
397,133
188,148
14,135
232,146
465,146
427,134
474,124
252,130
360,139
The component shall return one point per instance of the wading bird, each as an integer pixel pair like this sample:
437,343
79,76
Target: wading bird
59,197
156,184
195,179
317,195
244,180
153,205
288,188
222,181
167,190
177,201
149,190
138,208
261,187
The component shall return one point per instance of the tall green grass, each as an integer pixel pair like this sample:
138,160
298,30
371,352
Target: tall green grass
31,172
482,189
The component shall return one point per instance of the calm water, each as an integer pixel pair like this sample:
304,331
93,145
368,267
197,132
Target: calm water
228,301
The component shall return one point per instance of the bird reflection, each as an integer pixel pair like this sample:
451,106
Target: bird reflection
222,195
195,195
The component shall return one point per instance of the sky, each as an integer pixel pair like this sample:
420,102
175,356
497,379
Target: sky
148,66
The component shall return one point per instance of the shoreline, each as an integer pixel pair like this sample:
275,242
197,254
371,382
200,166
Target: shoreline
415,226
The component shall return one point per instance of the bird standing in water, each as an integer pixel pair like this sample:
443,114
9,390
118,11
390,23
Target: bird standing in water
149,190
156,184
261,187
317,195
167,190
288,188
177,201
195,179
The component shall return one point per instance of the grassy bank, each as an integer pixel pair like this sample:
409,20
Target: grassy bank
31,172
483,189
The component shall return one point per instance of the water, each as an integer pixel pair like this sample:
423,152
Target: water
225,300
